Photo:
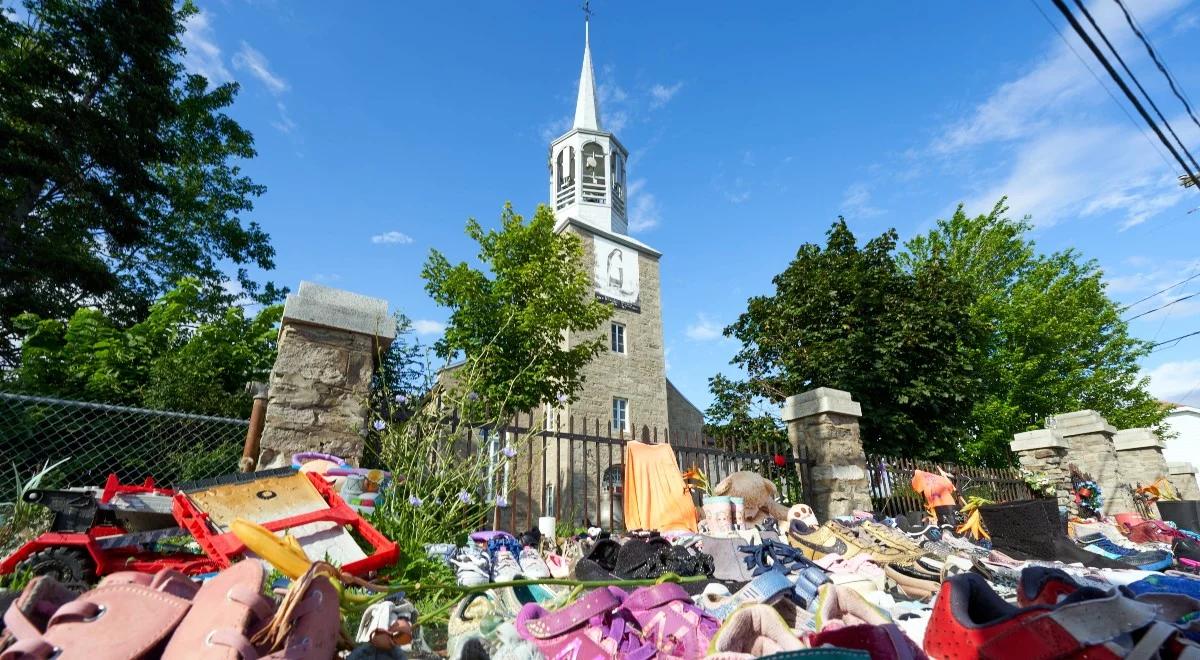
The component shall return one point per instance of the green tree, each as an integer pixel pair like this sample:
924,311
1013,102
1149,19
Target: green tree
181,358
1056,341
739,414
119,172
849,317
508,323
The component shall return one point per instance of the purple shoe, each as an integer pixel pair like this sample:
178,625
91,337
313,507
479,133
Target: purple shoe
595,627
670,621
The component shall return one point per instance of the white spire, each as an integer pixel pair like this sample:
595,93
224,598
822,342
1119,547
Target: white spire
587,109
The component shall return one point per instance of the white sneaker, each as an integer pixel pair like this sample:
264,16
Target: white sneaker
471,568
505,567
532,564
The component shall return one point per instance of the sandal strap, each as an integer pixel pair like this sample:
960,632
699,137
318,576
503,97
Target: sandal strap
592,604
648,598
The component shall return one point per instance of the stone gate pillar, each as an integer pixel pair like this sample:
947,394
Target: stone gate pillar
329,341
1045,451
1140,456
824,421
1183,478
1090,437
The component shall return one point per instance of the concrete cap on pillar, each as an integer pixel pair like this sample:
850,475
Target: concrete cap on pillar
1079,423
334,308
1180,467
1038,439
1141,438
820,400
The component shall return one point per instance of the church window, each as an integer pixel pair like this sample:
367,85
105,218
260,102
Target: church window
620,414
617,337
594,180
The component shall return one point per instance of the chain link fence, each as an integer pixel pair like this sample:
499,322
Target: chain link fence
97,439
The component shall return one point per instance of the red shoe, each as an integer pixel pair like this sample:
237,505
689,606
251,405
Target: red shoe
1039,585
970,621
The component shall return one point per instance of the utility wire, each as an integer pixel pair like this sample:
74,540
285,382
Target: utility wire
1087,40
1163,290
1162,66
1120,60
1177,300
1099,81
1172,340
1137,83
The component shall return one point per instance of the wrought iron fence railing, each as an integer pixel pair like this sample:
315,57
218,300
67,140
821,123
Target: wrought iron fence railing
892,492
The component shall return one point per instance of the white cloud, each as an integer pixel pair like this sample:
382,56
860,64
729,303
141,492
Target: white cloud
555,127
285,123
704,329
428,327
203,56
856,202
1061,161
248,59
392,237
1077,170
644,213
661,94
1172,381
326,277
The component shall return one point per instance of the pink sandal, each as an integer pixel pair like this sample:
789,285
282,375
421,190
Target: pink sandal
670,621
591,628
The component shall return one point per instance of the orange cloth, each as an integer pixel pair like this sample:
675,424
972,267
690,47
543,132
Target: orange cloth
655,495
938,490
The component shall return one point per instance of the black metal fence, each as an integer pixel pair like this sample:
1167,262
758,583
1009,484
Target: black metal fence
892,492
575,471
95,439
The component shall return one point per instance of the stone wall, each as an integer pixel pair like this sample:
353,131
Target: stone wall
683,418
1139,452
824,421
1090,438
1045,451
639,374
328,343
1183,477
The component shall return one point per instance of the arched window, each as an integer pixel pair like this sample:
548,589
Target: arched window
595,174
565,169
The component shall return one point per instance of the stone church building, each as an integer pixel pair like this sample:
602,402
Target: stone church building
626,386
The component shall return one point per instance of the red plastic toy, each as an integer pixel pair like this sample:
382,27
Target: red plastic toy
85,543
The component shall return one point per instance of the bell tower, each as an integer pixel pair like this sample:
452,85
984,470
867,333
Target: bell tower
587,163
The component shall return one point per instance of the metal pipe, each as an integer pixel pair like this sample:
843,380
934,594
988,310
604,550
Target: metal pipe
258,415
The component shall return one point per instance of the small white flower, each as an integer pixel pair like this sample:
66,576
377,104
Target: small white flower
379,425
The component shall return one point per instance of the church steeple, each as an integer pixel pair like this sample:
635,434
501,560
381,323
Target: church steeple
587,109
587,163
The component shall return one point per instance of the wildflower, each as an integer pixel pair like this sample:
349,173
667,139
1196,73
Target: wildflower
472,396
379,425
464,497
415,501
501,501
400,398
509,452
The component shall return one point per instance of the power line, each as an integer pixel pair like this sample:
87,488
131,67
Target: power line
1163,290
1120,60
1177,300
1099,81
1172,340
1112,73
1162,66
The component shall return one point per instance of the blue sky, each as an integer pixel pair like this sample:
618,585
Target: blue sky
381,127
